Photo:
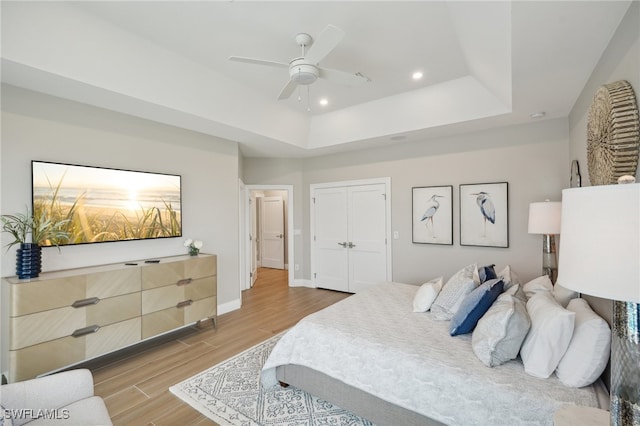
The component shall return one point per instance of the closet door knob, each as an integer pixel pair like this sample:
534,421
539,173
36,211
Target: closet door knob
343,244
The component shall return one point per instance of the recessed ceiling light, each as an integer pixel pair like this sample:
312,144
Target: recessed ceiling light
324,101
417,75
537,115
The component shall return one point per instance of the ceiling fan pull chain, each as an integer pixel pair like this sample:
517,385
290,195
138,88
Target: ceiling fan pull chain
308,100
299,89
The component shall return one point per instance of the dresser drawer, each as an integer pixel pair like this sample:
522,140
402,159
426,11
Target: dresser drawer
161,321
199,267
44,357
162,274
114,283
38,296
200,309
112,337
43,295
113,309
29,330
31,361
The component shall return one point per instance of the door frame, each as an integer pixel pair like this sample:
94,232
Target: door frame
387,183
245,220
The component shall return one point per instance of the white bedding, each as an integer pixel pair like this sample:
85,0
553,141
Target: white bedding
373,341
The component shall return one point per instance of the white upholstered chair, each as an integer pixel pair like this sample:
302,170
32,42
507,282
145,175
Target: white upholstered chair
64,398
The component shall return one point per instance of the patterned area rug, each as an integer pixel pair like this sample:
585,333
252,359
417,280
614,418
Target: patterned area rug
230,393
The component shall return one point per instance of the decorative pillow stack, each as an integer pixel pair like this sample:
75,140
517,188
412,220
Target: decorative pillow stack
426,294
549,336
453,292
500,332
474,306
589,349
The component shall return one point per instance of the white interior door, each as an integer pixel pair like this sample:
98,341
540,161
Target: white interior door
272,231
331,256
350,234
367,232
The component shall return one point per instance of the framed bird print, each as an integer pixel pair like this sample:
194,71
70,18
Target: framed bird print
484,214
432,209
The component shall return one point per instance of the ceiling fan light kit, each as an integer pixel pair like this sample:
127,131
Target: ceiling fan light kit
302,73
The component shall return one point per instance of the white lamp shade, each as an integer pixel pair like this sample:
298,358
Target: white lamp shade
544,217
600,247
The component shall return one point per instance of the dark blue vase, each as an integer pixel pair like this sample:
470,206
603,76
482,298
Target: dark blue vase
28,260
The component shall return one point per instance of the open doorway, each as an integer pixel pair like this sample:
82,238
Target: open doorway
268,231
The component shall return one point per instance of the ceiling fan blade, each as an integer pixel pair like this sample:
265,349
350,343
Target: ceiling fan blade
258,62
288,89
324,43
342,77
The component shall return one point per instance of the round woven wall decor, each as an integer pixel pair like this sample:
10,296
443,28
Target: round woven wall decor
612,134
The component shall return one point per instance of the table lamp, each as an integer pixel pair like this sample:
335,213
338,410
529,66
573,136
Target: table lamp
544,218
600,256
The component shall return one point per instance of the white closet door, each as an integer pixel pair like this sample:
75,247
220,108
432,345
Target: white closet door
272,241
367,234
331,256
349,251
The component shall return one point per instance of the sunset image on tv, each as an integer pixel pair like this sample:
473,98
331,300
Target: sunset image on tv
102,204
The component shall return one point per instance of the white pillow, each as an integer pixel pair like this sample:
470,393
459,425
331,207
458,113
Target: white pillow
459,285
509,277
500,332
563,295
549,336
426,294
517,292
536,285
589,349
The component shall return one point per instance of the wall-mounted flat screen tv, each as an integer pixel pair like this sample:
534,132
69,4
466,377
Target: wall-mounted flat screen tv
101,204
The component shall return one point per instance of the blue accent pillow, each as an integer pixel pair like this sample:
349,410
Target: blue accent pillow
474,306
486,273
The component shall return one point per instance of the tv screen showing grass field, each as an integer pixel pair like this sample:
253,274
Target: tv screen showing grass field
98,204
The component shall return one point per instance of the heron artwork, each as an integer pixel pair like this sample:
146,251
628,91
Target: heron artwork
487,209
432,209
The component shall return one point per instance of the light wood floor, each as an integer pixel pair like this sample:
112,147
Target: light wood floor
135,387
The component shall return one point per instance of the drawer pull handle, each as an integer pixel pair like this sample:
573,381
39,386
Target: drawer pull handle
85,302
185,303
86,330
184,281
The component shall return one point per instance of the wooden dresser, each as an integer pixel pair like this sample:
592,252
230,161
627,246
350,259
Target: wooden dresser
65,317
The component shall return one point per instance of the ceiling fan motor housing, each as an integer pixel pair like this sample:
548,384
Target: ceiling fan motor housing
303,73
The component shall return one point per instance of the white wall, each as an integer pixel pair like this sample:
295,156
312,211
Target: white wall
41,127
620,61
531,158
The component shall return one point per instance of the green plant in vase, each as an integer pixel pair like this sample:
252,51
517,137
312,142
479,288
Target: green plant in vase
31,232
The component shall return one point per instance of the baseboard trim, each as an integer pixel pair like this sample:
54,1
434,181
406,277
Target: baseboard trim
302,283
229,306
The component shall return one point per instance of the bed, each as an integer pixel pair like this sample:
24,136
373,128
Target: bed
372,355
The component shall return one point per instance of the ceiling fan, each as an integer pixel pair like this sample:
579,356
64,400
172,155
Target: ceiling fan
305,70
